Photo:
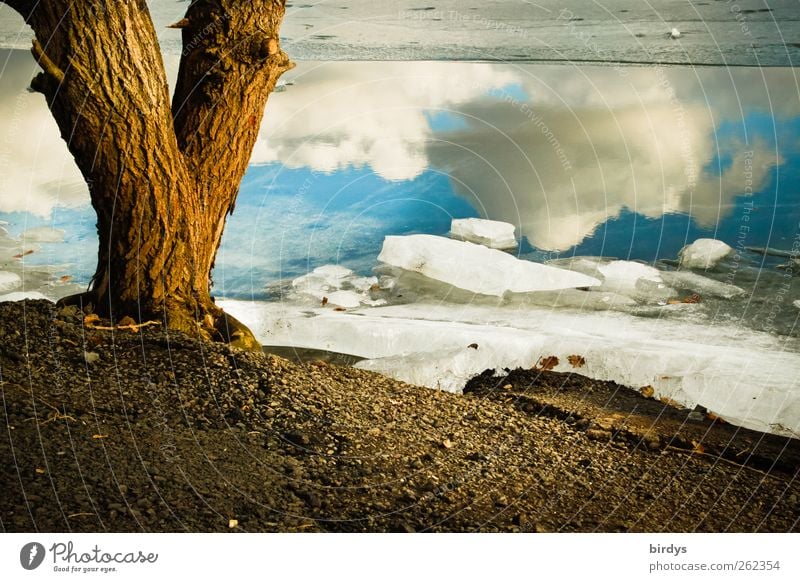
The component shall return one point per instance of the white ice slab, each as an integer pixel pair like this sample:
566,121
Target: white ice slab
475,268
700,284
489,233
704,253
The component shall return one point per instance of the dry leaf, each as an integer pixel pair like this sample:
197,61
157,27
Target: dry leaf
65,278
91,318
547,363
647,391
698,448
324,301
693,298
473,346
576,361
339,309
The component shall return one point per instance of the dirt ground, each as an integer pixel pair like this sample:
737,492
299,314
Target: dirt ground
116,430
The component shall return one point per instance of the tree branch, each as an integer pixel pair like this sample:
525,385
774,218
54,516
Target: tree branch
44,61
231,62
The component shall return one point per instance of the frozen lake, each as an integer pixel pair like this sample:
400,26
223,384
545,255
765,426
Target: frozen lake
740,32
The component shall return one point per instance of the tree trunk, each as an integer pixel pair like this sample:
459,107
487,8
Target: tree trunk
162,177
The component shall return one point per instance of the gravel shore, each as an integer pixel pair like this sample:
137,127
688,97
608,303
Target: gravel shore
120,430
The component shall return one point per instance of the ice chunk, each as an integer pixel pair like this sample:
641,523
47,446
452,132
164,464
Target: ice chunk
337,286
43,234
636,280
474,267
700,284
489,233
347,299
704,253
22,295
9,281
625,274
587,265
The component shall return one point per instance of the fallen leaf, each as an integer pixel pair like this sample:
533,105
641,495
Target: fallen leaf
91,318
698,448
647,391
547,363
473,346
324,301
65,278
339,309
576,361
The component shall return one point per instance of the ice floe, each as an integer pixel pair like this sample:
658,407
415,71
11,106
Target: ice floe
704,253
489,233
336,286
475,268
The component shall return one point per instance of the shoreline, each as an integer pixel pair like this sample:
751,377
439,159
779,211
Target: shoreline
161,432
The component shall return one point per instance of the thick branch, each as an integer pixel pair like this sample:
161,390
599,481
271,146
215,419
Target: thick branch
231,62
105,84
49,67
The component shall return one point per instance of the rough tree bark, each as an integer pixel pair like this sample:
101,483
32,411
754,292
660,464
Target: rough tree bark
162,176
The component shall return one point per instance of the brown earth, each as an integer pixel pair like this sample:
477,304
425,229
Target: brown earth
146,430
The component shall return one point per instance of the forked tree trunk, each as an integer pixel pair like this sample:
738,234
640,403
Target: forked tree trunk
162,177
